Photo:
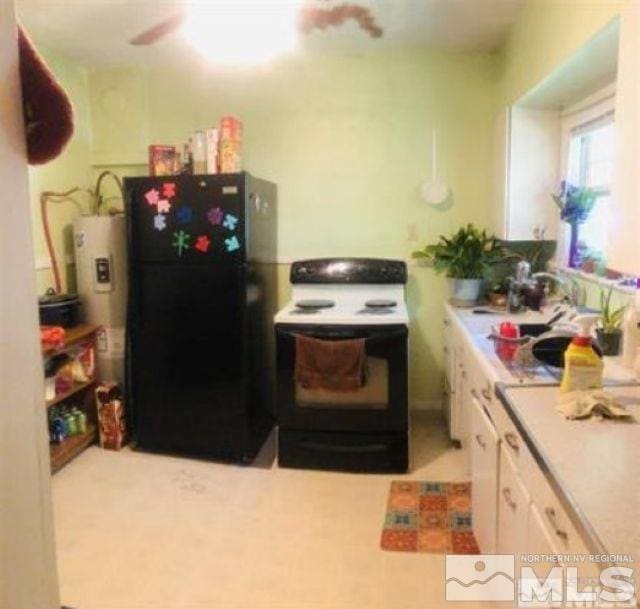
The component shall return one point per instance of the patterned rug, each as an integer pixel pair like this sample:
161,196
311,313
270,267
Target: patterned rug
430,517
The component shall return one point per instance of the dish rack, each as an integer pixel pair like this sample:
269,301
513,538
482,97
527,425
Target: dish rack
516,355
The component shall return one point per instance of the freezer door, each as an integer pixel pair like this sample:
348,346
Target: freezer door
187,360
187,219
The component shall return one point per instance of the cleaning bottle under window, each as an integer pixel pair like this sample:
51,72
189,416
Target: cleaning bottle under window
583,367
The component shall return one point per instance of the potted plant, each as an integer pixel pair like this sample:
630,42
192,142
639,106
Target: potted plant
591,260
465,257
609,333
575,204
498,294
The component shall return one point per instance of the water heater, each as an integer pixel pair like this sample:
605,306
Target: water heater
101,268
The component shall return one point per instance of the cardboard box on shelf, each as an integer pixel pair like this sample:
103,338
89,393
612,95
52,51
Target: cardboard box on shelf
161,160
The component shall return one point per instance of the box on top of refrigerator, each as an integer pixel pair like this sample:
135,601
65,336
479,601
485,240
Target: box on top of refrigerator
230,160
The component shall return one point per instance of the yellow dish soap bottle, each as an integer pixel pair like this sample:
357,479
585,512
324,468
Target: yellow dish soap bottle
583,367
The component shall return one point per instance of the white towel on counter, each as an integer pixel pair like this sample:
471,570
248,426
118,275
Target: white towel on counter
593,403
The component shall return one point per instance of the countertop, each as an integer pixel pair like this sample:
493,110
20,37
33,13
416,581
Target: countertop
477,327
592,464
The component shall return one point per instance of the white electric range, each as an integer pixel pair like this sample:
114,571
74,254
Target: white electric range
345,304
339,299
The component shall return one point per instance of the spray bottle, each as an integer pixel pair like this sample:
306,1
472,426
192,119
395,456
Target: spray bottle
583,368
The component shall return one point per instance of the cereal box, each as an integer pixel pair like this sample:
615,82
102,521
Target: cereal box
230,147
161,160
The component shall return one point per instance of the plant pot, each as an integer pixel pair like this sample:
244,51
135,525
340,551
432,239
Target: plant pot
465,292
609,341
497,300
589,266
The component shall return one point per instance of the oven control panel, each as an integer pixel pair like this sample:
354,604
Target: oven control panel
349,270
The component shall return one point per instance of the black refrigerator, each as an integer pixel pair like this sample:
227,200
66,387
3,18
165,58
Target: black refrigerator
200,304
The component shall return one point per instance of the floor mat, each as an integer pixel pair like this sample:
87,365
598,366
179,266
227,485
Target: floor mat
430,517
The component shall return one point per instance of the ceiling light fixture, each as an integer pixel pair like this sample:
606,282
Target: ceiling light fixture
243,32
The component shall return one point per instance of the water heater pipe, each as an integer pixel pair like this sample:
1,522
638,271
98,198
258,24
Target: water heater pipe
57,197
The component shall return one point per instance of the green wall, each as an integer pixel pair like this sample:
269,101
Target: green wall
70,169
346,137
547,33
347,140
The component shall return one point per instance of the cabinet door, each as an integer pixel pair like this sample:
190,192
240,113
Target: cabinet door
539,539
447,399
513,508
484,450
448,348
460,405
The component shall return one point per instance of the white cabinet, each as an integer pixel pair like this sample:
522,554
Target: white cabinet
484,448
456,376
513,508
539,539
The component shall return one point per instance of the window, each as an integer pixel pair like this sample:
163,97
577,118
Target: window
588,151
590,164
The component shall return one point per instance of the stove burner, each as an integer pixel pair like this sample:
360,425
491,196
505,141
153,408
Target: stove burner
376,311
380,303
314,303
305,311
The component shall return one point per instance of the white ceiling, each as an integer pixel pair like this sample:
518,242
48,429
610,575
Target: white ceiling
95,32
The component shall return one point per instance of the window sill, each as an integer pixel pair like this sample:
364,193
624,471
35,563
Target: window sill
601,281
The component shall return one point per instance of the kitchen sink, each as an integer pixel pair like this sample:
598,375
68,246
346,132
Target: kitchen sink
533,330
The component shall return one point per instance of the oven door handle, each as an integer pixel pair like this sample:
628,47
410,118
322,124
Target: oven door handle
344,448
336,334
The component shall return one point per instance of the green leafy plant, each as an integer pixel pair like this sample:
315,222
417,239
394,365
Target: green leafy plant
500,287
610,319
468,254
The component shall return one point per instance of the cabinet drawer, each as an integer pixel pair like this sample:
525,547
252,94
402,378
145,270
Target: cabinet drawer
513,442
484,452
513,508
481,386
564,534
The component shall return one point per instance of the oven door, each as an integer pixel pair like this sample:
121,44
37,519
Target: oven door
381,404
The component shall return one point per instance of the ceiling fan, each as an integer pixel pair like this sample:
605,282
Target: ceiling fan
310,18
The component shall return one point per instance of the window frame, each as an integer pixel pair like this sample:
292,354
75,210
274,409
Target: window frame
597,107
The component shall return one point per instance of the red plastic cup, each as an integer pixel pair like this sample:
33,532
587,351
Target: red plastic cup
506,350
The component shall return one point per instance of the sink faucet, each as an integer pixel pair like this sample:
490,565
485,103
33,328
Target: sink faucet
525,288
519,286
575,294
